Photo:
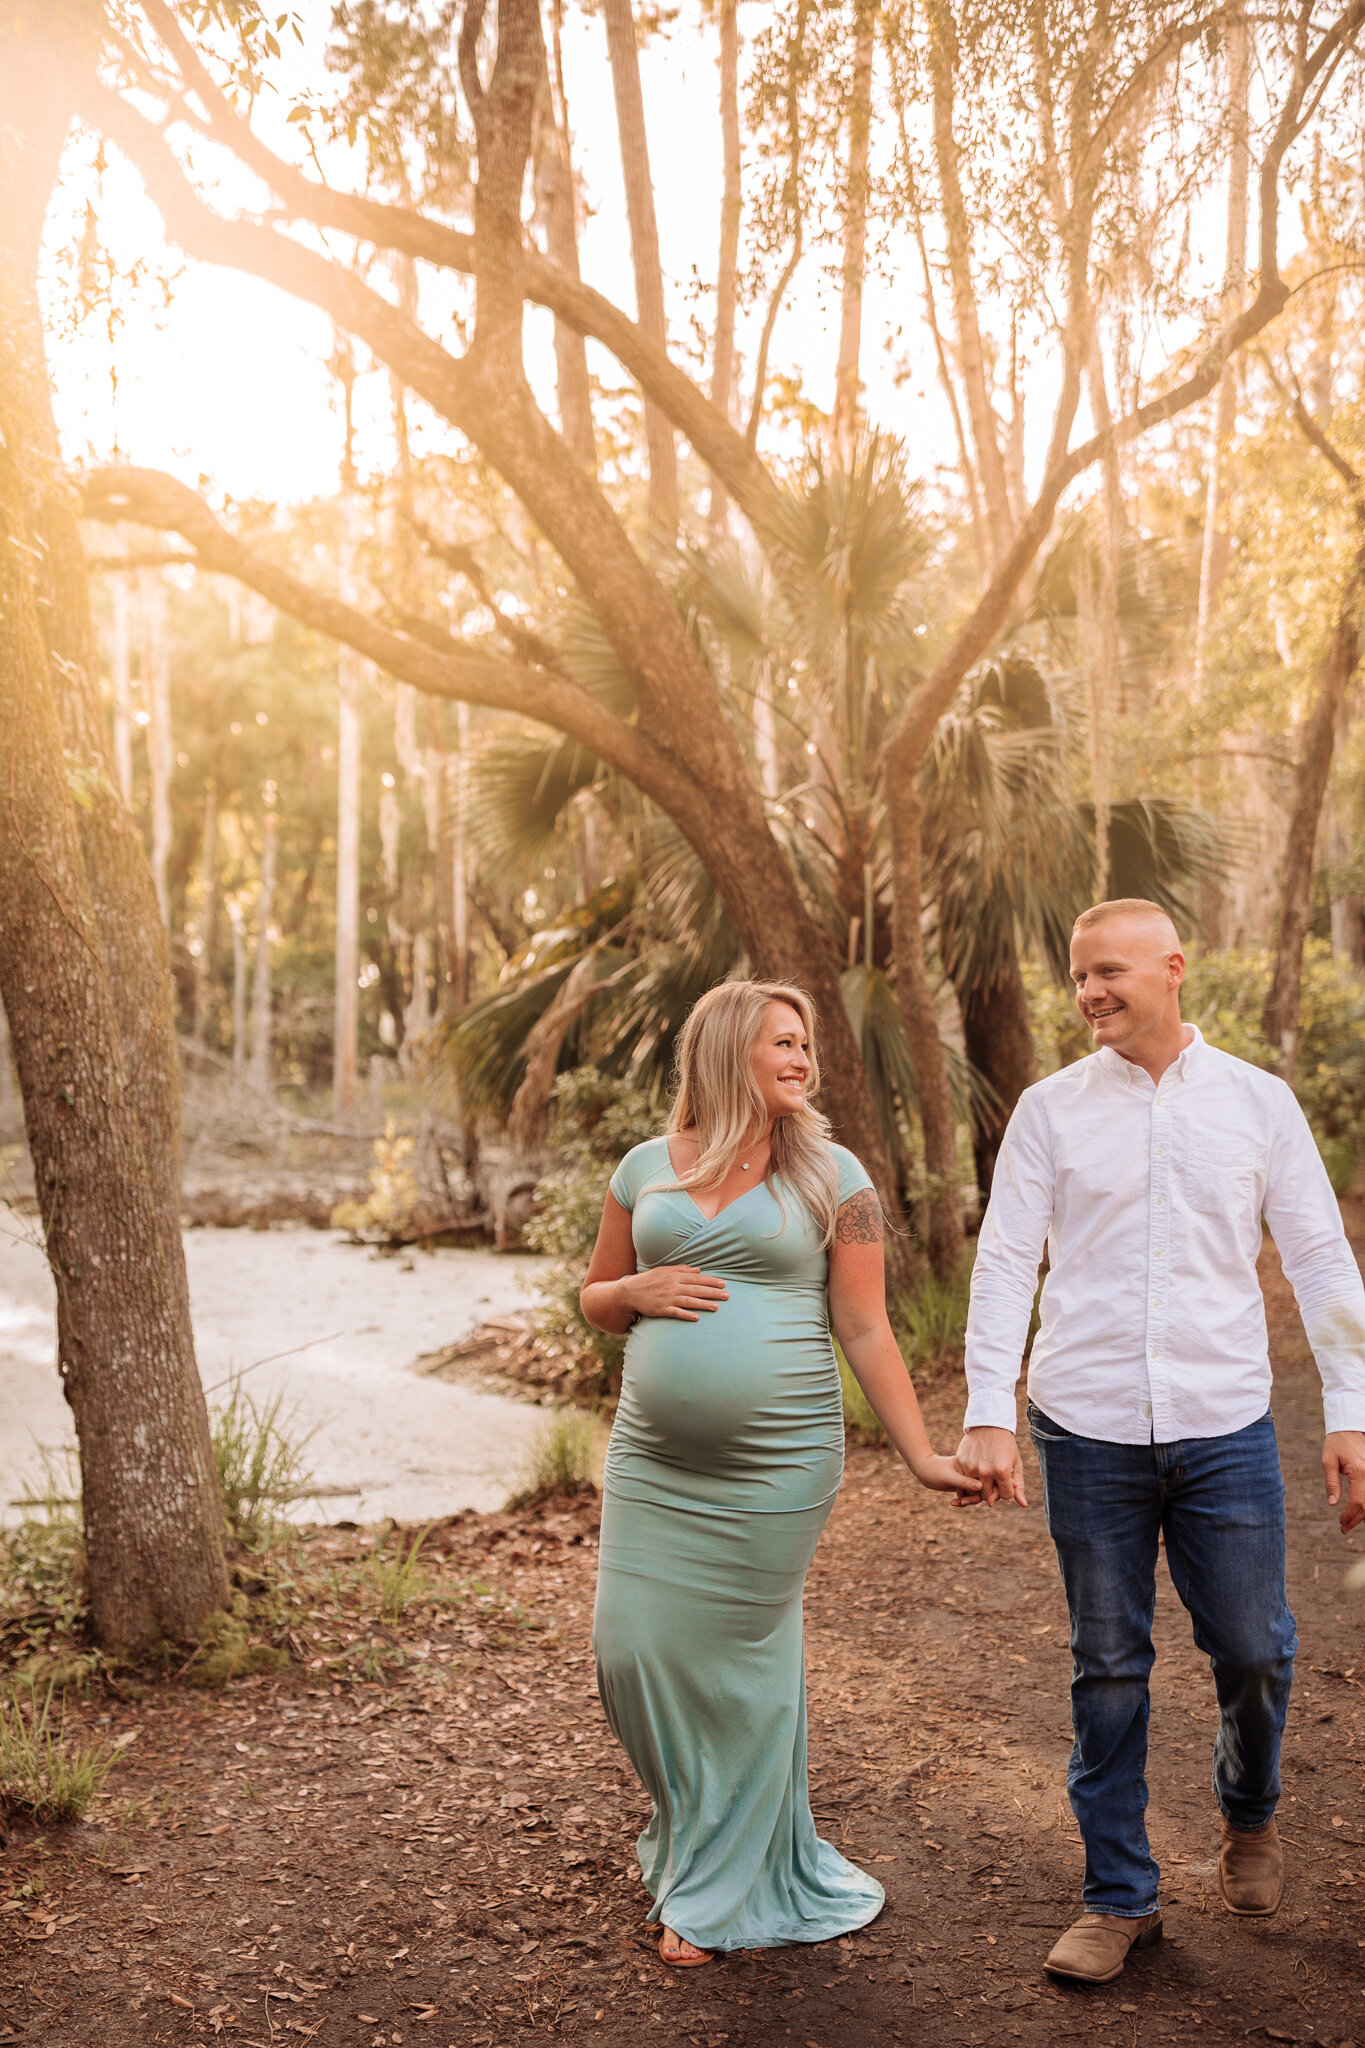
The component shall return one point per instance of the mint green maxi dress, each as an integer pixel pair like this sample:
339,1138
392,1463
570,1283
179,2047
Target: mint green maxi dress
725,1458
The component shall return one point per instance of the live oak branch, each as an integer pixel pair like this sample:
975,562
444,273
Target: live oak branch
680,739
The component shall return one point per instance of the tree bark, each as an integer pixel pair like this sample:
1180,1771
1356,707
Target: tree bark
239,989
1214,557
156,691
459,868
644,249
84,975
1280,1019
990,464
260,983
998,1035
348,887
933,1090
844,418
558,209
121,677
208,915
723,378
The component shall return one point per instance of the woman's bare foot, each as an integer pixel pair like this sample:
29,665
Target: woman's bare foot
682,1955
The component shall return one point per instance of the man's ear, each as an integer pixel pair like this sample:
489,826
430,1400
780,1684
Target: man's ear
1175,967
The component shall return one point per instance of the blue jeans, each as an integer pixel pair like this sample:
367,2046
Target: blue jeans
1220,1502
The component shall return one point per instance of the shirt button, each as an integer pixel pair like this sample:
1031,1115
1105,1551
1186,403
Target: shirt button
1158,1253
1157,1302
1161,1151
1161,1201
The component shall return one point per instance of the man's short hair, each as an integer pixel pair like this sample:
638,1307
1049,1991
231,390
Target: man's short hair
1121,906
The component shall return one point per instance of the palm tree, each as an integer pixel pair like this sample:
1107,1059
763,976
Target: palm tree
816,651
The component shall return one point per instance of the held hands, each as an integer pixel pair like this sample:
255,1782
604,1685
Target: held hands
683,1292
1343,1468
991,1458
943,1475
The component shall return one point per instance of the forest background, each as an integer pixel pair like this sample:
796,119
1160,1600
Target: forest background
953,519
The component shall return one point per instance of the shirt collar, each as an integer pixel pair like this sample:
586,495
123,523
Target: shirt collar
1114,1062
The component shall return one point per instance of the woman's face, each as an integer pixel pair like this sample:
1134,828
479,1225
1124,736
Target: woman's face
782,1060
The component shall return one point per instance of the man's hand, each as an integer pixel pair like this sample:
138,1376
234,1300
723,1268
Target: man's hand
992,1456
1343,1467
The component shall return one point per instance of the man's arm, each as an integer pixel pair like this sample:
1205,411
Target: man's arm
1320,1266
1004,1280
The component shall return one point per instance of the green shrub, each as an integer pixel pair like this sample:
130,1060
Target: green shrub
389,1213
596,1122
930,1326
1060,1038
930,1321
1224,995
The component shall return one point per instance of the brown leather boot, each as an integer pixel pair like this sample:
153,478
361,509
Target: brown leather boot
1251,1870
1096,1948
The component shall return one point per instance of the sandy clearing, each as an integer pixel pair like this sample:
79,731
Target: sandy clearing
405,1446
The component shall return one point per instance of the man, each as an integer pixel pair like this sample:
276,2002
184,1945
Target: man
1146,1171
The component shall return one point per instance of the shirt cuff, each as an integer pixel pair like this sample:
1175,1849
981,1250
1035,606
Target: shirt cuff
1343,1411
994,1408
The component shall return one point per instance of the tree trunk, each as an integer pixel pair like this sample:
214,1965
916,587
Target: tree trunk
990,465
156,691
1280,1019
260,985
727,268
644,249
558,210
999,1041
442,857
844,418
459,869
348,887
121,676
84,976
208,914
933,1089
239,989
1214,558
1348,911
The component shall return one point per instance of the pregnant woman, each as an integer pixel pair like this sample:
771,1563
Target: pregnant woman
726,1247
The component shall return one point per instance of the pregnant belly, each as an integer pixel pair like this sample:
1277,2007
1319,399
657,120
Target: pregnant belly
752,1386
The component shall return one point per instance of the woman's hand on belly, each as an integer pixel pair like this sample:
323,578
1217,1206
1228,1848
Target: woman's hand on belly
683,1293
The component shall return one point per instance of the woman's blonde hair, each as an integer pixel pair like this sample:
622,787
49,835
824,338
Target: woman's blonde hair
719,1098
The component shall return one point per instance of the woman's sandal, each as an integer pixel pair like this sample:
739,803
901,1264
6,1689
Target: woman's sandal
675,1958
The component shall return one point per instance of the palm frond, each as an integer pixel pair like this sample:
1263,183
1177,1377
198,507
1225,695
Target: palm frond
516,790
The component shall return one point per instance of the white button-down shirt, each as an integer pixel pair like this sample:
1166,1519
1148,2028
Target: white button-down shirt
1149,1200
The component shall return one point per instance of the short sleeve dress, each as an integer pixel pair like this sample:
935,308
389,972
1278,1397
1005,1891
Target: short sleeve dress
725,1457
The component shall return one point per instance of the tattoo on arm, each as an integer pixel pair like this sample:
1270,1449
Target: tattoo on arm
860,1219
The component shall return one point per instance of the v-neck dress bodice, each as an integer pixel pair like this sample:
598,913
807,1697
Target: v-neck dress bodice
746,1398
725,1458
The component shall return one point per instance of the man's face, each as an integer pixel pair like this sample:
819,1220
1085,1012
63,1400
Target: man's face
1126,972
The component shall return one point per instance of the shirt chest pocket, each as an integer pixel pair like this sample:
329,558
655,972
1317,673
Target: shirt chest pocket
1221,1180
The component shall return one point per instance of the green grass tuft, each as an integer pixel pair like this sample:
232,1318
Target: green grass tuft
41,1773
930,1322
393,1583
563,1458
260,1465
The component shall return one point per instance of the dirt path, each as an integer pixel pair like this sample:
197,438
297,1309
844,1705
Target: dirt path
445,1857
